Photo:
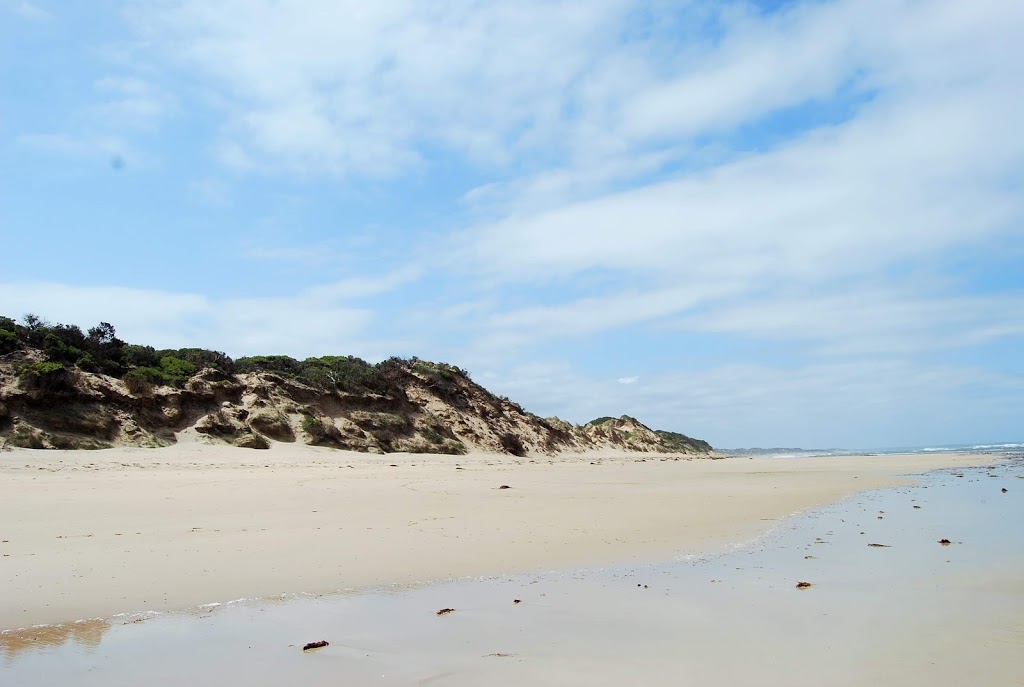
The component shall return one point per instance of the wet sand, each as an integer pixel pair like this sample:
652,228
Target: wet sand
93,534
908,612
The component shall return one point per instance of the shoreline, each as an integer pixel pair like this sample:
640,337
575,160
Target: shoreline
97,534
908,611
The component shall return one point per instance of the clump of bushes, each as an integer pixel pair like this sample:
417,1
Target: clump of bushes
99,350
510,443
141,380
171,371
25,437
8,340
46,376
328,373
315,429
674,441
444,381
175,370
313,425
433,436
283,365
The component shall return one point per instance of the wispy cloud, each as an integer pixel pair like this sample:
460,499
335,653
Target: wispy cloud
211,191
26,10
348,88
238,325
869,320
810,190
129,101
858,404
112,150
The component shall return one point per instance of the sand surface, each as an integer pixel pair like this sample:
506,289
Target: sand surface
93,534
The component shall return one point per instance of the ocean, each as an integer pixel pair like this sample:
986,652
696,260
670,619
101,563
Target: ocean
995,449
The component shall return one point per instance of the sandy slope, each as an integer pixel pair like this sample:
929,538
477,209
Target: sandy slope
89,534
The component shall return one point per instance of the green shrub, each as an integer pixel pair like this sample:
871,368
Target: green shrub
103,334
201,358
99,351
141,380
674,441
346,373
62,350
176,371
443,381
433,436
24,437
46,376
46,368
139,356
173,371
8,341
88,363
283,365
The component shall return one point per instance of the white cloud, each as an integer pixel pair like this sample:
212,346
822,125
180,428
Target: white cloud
804,53
130,102
211,191
348,87
800,177
898,183
313,322
628,380
869,320
587,316
928,168
112,150
363,287
103,129
855,404
27,10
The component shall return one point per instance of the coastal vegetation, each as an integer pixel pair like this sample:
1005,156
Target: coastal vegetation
62,387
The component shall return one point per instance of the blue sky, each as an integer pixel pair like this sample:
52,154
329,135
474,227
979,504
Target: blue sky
759,223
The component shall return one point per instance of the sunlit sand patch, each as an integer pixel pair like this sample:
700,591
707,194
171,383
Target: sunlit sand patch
87,633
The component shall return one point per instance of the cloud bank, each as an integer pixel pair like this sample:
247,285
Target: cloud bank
797,222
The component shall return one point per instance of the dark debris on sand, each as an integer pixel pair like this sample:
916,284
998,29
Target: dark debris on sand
316,645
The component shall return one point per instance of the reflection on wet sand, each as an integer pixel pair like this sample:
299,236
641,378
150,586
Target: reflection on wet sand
86,633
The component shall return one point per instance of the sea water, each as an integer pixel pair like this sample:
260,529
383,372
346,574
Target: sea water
1006,449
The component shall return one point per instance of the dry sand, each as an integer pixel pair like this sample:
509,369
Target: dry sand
92,534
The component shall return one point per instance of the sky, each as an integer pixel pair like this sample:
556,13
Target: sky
757,223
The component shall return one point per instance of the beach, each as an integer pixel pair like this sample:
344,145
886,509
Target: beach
93,534
887,603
